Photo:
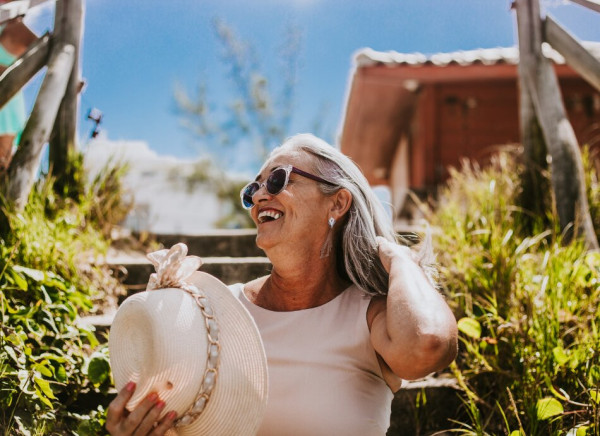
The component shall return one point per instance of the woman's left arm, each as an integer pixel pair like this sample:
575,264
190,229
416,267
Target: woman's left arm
413,329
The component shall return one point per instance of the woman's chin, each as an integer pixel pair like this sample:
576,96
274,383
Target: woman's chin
263,241
267,240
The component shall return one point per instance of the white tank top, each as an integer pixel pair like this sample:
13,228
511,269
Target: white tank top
324,377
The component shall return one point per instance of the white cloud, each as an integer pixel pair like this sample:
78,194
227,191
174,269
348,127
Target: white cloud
40,18
163,204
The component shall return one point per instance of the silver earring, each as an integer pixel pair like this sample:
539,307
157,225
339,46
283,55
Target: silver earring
326,249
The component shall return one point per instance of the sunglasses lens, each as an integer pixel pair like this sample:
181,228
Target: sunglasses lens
276,181
247,194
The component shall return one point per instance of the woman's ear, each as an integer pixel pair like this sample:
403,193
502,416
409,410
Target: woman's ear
341,202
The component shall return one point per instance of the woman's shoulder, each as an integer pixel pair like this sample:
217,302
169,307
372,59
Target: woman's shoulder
355,292
249,289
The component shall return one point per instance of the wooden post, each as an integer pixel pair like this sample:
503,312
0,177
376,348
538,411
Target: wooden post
533,181
24,68
574,53
68,25
25,163
567,174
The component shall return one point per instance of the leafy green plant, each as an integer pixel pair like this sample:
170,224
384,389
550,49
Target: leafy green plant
110,201
53,371
527,304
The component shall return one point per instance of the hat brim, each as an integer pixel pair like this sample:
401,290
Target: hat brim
158,340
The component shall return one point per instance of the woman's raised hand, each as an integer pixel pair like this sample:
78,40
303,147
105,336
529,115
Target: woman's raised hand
143,420
389,251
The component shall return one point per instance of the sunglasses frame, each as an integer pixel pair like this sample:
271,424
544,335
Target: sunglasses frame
288,170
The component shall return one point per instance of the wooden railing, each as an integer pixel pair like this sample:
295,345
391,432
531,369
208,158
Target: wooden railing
53,118
592,4
541,105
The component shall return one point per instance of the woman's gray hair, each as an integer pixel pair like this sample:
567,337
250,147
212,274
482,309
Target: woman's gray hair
366,218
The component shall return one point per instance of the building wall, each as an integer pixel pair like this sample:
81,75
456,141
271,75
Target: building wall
472,119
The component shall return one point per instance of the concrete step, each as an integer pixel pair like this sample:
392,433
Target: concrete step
134,273
215,243
242,242
427,407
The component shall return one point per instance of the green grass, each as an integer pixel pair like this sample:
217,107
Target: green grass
48,279
527,304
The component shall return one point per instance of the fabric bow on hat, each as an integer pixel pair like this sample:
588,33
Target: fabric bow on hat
173,267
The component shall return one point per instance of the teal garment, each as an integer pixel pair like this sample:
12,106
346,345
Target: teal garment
12,115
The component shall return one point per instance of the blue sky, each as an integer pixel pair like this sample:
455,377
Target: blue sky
136,50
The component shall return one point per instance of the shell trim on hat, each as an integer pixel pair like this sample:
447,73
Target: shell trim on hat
173,267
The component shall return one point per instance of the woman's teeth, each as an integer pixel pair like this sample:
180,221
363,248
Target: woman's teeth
268,215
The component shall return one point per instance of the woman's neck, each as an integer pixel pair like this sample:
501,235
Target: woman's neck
300,285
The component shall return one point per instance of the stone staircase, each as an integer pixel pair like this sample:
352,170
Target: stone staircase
215,248
423,407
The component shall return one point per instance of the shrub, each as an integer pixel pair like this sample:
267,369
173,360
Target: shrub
50,364
528,308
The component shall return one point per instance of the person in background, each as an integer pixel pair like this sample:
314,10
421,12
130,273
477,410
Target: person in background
15,38
346,313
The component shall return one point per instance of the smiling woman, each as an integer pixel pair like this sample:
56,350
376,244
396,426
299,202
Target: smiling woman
341,326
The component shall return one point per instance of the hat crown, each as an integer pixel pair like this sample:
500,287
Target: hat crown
173,268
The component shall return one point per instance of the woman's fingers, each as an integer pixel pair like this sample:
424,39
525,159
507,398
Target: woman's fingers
141,421
136,417
165,424
389,250
116,410
147,424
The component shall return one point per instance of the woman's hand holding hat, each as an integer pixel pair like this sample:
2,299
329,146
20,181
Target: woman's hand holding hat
142,420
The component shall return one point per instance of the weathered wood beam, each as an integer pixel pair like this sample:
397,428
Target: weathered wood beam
25,163
68,25
567,176
534,148
534,151
24,68
591,4
574,53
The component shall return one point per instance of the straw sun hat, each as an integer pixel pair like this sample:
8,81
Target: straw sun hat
190,340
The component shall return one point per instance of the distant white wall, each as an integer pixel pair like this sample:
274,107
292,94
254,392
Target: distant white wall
163,204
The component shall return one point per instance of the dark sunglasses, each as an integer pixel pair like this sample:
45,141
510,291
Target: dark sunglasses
275,183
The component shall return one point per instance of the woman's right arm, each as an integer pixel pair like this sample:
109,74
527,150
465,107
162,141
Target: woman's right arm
143,420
